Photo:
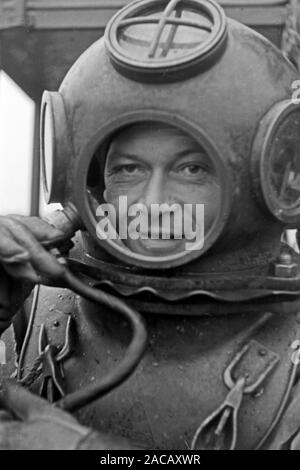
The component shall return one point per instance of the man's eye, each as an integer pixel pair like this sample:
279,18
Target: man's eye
192,170
128,170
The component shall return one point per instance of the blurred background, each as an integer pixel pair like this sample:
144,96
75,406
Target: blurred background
16,145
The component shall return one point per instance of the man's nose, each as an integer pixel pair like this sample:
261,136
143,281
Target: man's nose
155,192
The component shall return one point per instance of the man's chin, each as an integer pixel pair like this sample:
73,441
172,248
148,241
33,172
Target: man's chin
159,248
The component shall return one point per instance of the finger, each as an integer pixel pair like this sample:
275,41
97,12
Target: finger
24,272
41,260
42,230
10,250
5,416
15,258
29,407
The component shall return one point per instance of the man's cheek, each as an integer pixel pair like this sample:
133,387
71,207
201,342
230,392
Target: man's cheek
113,195
192,193
115,191
198,194
210,213
119,197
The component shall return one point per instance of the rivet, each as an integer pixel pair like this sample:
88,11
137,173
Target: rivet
258,393
262,352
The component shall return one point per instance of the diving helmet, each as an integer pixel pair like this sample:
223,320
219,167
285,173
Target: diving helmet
183,64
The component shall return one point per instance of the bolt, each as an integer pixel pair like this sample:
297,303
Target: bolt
285,259
285,267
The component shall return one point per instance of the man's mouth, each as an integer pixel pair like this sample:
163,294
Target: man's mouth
160,246
160,235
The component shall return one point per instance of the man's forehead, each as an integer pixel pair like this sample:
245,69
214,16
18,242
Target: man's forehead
151,135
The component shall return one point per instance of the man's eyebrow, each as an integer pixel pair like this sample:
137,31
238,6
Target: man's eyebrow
115,154
194,151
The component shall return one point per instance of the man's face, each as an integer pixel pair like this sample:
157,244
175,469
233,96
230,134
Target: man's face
152,164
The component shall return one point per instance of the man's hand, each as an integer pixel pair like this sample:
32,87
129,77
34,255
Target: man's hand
24,261
28,422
